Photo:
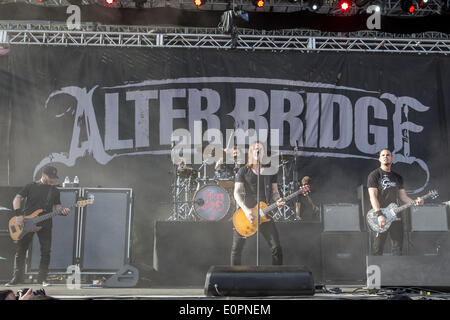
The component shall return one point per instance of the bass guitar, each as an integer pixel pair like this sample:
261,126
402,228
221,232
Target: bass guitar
246,228
390,212
17,232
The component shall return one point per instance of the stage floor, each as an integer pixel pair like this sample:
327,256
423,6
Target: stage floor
342,292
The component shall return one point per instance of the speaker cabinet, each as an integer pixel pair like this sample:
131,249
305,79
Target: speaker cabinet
412,271
428,243
64,237
344,257
106,230
429,217
7,195
7,251
341,217
258,281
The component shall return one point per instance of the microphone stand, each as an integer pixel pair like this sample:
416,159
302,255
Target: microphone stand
295,171
258,208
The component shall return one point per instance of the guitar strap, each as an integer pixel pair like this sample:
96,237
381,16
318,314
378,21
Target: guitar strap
47,203
267,188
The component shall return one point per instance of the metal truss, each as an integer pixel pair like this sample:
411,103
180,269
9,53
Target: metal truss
208,38
387,7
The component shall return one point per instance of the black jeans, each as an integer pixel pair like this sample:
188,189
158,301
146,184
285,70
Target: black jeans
270,233
395,231
45,241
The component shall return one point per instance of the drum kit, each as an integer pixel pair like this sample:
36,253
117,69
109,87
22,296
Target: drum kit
199,195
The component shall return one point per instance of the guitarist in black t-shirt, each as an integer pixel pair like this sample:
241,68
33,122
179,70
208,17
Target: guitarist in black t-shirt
39,195
385,187
245,191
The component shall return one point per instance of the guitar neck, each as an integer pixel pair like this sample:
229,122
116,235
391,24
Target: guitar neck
48,215
286,199
407,205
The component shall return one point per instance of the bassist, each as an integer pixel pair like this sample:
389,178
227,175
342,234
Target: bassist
39,195
245,190
386,186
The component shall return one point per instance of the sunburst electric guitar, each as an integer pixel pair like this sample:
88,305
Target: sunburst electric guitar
29,222
246,228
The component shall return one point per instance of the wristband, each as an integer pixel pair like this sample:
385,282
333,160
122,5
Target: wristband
18,212
379,213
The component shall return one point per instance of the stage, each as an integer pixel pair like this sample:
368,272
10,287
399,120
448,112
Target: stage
342,292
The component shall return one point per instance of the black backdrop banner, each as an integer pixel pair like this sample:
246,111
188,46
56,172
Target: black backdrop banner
107,116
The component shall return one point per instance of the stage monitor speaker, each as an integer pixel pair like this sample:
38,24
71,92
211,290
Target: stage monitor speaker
64,237
106,230
7,251
343,257
411,271
247,281
7,195
126,277
341,217
429,217
428,243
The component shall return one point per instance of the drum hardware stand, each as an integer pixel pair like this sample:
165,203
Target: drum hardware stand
285,213
183,208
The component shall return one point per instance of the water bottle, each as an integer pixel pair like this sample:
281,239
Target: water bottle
76,181
66,182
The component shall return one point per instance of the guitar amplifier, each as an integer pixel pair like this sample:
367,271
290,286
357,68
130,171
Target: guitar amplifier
7,251
344,257
341,217
105,231
429,217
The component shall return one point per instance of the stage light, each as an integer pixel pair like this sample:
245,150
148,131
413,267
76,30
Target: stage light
199,3
408,6
345,5
109,2
258,3
315,4
422,3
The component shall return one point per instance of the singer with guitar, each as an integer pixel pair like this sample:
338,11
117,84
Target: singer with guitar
245,193
39,195
385,187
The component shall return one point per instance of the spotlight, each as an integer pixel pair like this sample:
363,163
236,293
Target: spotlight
258,3
199,3
408,6
345,5
422,3
109,2
315,4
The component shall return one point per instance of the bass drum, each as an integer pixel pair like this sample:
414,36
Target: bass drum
211,202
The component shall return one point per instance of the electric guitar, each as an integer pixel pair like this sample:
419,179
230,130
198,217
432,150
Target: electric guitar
390,212
246,228
17,232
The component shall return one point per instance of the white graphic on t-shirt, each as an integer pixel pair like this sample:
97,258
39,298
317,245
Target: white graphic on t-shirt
387,183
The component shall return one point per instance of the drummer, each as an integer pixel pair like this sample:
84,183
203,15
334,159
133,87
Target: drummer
229,169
